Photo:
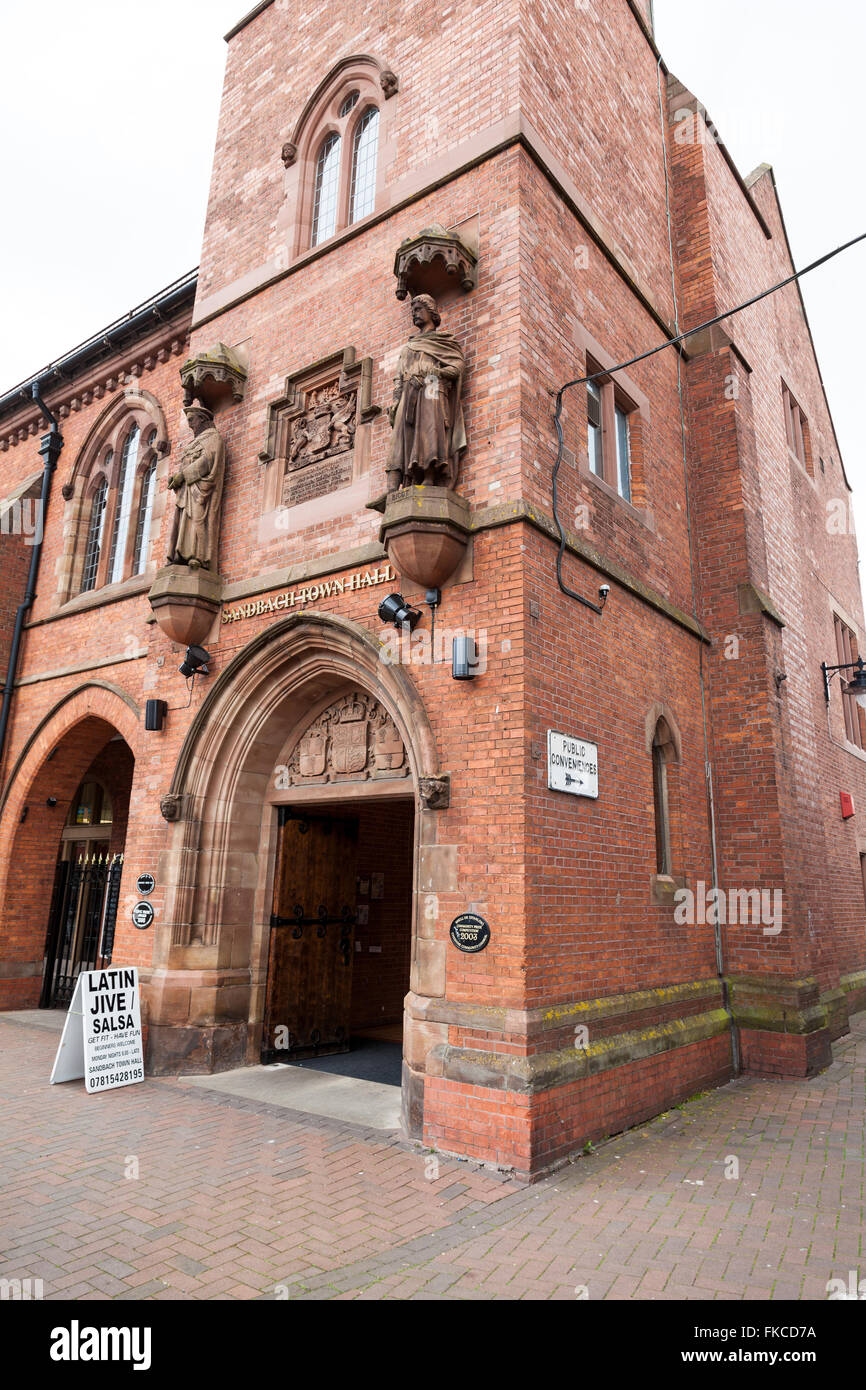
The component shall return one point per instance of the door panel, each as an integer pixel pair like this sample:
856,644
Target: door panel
312,937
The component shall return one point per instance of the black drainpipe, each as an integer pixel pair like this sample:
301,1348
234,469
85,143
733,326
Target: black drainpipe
50,450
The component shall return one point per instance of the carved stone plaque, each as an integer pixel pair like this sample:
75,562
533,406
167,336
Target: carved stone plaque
353,740
316,480
312,428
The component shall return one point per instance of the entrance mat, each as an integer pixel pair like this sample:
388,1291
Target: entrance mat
370,1059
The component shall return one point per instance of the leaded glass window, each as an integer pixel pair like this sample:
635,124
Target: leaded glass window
326,190
364,151
94,537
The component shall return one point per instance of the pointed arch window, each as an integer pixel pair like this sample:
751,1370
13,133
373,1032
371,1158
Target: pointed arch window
145,514
326,190
112,506
661,806
123,505
94,536
333,158
365,147
667,807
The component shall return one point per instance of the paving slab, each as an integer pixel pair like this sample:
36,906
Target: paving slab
346,1098
221,1188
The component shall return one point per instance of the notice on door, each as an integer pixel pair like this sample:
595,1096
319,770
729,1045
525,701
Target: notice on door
572,765
102,1034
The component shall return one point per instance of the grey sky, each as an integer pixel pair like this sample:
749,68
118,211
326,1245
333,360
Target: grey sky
109,112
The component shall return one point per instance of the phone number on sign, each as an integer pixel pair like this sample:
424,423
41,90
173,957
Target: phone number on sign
116,1078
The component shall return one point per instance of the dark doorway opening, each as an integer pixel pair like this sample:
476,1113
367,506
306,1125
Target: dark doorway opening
87,876
341,934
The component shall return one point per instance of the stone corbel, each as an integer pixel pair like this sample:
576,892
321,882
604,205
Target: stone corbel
185,602
171,807
434,793
425,531
389,82
433,262
213,378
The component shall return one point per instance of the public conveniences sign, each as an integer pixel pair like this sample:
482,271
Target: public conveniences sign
102,1034
572,765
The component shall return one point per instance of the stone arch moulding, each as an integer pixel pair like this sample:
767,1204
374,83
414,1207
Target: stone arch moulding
376,83
223,778
84,704
130,401
96,700
658,710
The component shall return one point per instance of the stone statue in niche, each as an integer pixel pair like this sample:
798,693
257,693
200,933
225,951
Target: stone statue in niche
355,739
326,427
198,485
429,437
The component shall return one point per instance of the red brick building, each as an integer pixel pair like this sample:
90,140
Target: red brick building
314,816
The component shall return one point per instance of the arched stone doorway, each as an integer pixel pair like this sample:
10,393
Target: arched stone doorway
64,814
306,723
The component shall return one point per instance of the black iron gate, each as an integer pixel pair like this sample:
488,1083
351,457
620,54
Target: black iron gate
81,926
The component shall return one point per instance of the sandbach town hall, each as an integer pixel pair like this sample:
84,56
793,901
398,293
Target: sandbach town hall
324,708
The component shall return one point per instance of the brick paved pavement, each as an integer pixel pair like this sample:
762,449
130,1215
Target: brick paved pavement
236,1199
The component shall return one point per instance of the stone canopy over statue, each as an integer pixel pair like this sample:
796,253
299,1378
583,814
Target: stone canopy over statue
198,485
428,437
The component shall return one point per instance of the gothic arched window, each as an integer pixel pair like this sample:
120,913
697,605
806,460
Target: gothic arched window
123,504
145,513
94,535
326,190
365,148
111,497
666,796
333,160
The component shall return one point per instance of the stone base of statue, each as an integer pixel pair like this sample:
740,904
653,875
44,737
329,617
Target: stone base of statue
425,531
185,602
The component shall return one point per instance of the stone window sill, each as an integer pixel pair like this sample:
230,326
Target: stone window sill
641,515
663,887
96,598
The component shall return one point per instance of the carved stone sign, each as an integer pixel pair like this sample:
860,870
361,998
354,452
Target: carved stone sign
312,428
353,740
326,427
310,593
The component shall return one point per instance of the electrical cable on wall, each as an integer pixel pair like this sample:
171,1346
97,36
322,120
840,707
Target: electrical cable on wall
642,357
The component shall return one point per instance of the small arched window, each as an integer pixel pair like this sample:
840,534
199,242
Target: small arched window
365,148
660,804
326,190
94,536
665,767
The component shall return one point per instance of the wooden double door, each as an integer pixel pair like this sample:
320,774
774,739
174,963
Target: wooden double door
312,938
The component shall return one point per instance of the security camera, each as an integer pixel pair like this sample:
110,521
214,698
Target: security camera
195,662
